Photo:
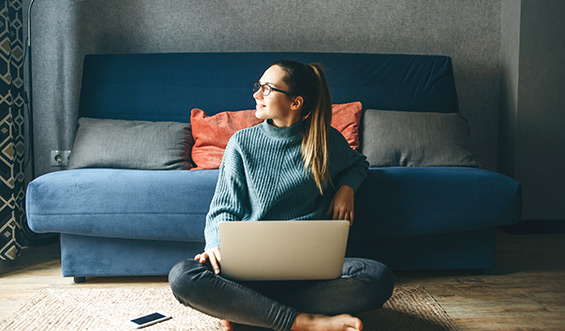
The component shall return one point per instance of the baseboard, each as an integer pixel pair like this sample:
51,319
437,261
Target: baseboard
536,227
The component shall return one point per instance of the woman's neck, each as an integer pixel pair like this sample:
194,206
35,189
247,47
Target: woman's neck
286,132
282,123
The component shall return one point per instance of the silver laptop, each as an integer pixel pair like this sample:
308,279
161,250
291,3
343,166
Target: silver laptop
283,250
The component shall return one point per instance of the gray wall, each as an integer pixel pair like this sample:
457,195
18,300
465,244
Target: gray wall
509,65
64,30
533,104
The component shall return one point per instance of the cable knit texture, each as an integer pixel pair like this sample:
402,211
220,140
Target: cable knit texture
262,177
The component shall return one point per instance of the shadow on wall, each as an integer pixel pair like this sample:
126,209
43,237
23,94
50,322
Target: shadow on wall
478,87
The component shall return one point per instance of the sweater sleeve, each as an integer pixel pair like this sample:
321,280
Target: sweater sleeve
228,203
352,167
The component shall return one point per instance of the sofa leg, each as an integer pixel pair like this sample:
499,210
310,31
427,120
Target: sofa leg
79,280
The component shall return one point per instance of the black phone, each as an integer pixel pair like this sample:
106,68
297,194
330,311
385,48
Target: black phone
146,320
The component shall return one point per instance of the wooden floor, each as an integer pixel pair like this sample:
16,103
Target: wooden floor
525,291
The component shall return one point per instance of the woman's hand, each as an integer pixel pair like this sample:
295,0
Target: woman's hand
212,254
342,204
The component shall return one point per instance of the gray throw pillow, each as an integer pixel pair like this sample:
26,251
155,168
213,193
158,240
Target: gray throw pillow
105,143
415,139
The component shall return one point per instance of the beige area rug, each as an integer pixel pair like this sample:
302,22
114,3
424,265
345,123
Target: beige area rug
410,308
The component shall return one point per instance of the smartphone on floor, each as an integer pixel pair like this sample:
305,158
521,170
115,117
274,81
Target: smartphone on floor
146,320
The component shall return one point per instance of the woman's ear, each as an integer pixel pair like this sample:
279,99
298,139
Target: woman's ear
297,103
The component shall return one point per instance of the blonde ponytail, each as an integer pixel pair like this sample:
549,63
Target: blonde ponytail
315,149
309,82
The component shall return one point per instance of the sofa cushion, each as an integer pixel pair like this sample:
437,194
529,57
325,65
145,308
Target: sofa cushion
107,143
414,139
419,201
212,133
122,203
172,205
346,118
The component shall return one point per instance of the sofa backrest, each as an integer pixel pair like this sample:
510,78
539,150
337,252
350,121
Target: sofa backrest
166,86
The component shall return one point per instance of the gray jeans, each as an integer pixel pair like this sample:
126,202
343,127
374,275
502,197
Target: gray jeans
364,285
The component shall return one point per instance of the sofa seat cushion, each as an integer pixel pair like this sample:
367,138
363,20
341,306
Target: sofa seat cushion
172,205
413,201
122,203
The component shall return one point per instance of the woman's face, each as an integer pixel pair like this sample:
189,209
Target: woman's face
276,106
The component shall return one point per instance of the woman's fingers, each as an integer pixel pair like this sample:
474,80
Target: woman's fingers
201,257
340,215
342,204
215,258
215,264
350,217
212,254
216,252
343,215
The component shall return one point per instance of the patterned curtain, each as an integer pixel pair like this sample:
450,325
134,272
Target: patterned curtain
12,178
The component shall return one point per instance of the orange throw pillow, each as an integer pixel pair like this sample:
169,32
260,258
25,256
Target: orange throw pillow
212,133
346,118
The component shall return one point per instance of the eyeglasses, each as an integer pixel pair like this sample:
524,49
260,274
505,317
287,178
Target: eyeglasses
266,89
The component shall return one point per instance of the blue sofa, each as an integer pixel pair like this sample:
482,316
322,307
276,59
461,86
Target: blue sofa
116,222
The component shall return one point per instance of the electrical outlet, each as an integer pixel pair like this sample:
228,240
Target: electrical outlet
60,158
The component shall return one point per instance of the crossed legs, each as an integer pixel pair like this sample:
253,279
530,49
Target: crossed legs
364,285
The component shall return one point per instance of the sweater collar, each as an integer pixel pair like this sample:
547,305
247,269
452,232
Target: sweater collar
289,132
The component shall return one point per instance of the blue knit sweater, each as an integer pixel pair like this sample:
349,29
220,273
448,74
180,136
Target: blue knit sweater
262,177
